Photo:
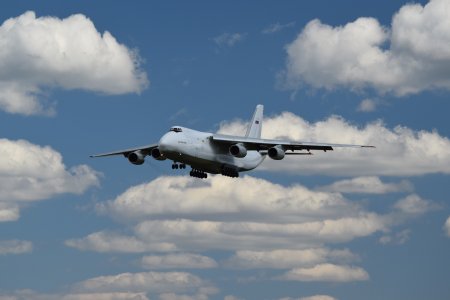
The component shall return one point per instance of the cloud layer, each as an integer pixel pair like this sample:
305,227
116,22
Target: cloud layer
410,57
447,227
15,247
178,261
287,229
399,151
327,272
367,185
30,172
154,282
47,52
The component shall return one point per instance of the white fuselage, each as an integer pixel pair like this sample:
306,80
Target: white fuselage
195,148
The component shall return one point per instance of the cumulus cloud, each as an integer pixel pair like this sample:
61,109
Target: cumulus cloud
397,239
151,282
213,235
229,39
414,205
367,105
410,57
173,296
39,53
367,185
15,247
128,286
178,261
400,151
328,273
318,297
276,27
104,241
286,229
186,197
33,295
286,258
30,172
218,214
106,296
447,227
9,212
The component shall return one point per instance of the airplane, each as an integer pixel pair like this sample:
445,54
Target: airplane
222,154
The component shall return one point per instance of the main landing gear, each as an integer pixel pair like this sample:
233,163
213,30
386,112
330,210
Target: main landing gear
178,166
230,172
198,174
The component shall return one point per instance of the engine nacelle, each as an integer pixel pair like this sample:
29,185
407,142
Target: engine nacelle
276,153
136,157
238,150
156,154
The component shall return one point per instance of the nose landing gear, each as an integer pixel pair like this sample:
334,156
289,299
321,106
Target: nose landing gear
178,166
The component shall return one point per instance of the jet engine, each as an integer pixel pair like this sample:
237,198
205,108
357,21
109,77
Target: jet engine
238,150
156,154
276,153
136,157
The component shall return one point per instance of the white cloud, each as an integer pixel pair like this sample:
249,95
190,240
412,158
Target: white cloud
327,272
398,239
447,227
276,27
9,212
367,105
178,261
218,213
32,295
414,205
210,235
367,185
190,235
112,242
221,213
48,52
410,57
399,152
229,39
30,172
173,296
318,297
186,197
151,282
230,297
106,296
286,259
15,247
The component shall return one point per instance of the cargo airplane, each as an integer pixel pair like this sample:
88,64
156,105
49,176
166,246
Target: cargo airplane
222,154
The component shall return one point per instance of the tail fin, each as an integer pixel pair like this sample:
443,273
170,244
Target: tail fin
254,128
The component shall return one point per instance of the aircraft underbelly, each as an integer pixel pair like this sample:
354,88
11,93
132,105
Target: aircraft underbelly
210,162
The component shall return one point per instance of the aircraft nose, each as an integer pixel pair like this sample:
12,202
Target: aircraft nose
165,144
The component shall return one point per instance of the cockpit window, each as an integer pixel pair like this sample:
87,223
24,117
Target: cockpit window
176,129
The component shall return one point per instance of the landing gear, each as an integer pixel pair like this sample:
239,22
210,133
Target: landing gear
178,166
229,171
198,174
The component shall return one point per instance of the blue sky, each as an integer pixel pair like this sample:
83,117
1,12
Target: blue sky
78,78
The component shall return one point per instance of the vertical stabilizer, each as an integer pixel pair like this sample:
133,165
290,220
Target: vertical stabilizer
254,128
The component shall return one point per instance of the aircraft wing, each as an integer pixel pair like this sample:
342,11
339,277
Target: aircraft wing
144,149
265,144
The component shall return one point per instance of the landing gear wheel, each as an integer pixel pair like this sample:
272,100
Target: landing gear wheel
198,174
